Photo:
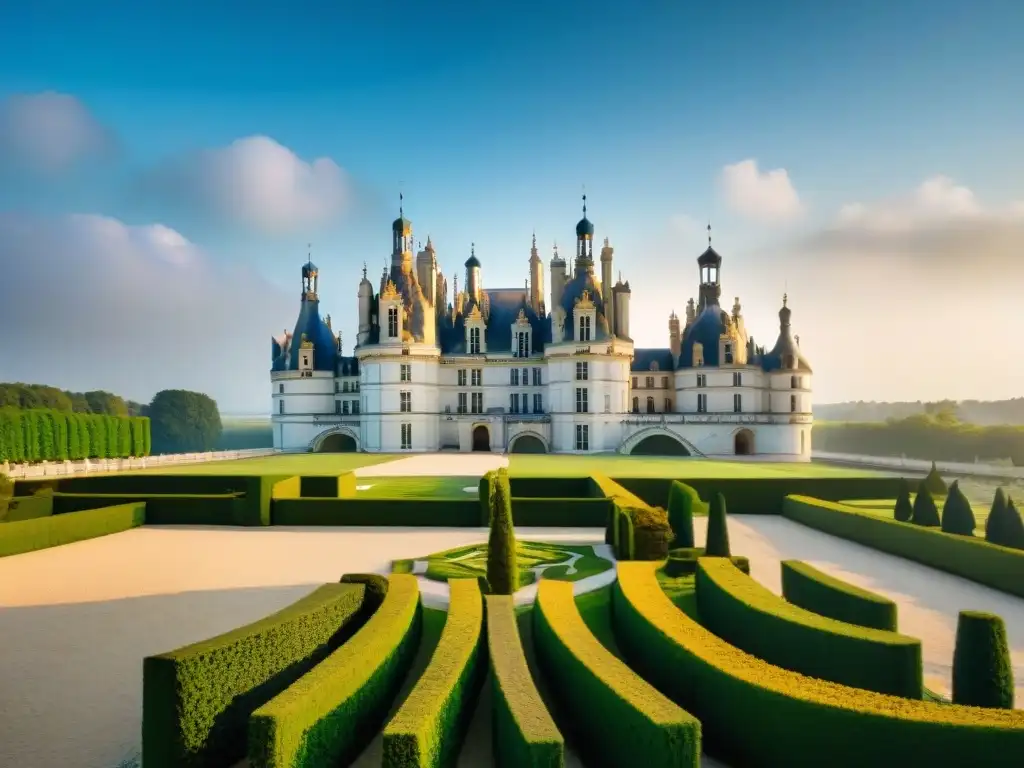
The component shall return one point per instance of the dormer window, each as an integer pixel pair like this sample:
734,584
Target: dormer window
728,354
474,341
698,354
585,328
585,314
788,362
794,382
522,345
392,322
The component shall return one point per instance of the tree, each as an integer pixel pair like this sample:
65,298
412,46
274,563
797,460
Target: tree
683,501
1012,527
106,403
925,511
502,568
982,675
184,422
933,482
718,529
957,515
904,510
996,522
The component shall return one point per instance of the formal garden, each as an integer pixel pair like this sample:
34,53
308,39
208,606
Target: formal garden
552,611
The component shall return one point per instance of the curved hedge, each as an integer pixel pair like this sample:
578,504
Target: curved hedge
756,714
328,715
524,734
756,620
196,701
806,586
429,727
37,533
621,719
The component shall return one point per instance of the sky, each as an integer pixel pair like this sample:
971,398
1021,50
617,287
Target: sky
166,168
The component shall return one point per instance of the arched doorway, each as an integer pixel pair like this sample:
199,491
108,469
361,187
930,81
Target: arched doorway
338,443
527,444
481,438
659,445
743,442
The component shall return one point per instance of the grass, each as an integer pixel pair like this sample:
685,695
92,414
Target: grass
616,465
420,487
885,507
283,464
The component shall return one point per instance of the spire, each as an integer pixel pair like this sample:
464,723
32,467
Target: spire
606,243
584,205
364,270
709,234
534,246
401,205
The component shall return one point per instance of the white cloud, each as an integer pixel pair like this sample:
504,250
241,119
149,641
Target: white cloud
49,132
682,224
132,309
762,195
258,183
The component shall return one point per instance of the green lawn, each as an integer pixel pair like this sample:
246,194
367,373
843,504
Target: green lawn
885,507
616,465
417,487
283,464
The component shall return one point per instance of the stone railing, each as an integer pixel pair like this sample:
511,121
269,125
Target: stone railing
86,466
976,469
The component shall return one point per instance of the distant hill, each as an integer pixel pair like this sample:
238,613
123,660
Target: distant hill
981,412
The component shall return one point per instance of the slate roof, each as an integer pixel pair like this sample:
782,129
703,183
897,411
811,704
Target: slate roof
642,359
706,329
325,349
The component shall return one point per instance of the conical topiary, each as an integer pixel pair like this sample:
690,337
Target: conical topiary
1013,527
957,515
682,500
925,511
904,510
982,674
502,568
934,482
718,529
6,494
995,525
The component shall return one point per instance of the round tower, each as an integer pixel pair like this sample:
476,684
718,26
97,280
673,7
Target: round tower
607,254
365,295
473,287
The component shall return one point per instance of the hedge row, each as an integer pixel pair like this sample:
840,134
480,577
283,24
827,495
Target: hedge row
329,714
633,528
196,701
445,513
524,734
756,620
994,566
620,718
806,586
163,509
756,714
683,561
429,727
50,435
328,486
26,508
54,530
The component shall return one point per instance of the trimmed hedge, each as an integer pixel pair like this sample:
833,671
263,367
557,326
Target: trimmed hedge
982,670
289,488
683,561
806,586
552,487
620,718
196,701
163,509
756,620
559,513
327,486
994,566
27,508
683,504
54,530
445,513
45,434
429,727
329,714
524,734
502,569
755,714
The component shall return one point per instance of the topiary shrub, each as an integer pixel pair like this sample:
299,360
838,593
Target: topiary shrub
1013,527
904,510
718,529
683,503
623,536
683,561
957,515
502,569
651,532
933,482
925,511
982,675
6,494
995,524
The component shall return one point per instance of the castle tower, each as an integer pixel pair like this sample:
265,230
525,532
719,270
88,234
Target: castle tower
536,280
426,272
710,266
675,337
558,278
365,295
584,243
621,293
607,254
473,284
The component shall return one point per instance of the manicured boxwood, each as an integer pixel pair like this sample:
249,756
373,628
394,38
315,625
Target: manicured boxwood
502,569
982,669
683,503
603,487
682,561
289,488
327,486
196,701
551,487
756,620
989,564
166,508
559,513
28,507
445,513
806,586
620,719
54,530
429,727
524,734
328,715
755,714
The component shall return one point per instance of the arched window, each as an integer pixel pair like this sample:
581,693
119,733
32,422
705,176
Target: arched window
650,405
636,405
393,322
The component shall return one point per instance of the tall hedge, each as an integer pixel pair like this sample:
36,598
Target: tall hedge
904,510
683,502
718,529
925,511
502,568
982,673
51,435
957,515
1004,525
933,481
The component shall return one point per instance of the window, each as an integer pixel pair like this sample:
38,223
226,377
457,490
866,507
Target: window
478,375
792,403
649,382
513,403
344,387
702,380
634,382
585,328
522,344
650,405
305,361
664,382
737,403
607,403
355,406
406,401
536,377
668,405
636,405
581,400
462,377
513,377
477,402
526,377
355,386
582,437
474,341
702,403
526,403
280,406
393,322
794,382
337,407
407,437
737,379
582,371
280,389
462,402
406,372
728,354
538,403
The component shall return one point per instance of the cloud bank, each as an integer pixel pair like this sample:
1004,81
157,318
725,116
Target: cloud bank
766,196
50,133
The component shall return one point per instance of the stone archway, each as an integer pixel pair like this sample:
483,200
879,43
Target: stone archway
743,442
337,440
481,438
526,442
657,441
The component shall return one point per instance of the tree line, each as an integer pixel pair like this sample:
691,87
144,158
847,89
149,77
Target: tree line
980,412
46,434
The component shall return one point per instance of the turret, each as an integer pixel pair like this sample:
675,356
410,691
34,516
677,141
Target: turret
675,337
536,280
691,313
584,243
710,265
473,286
426,272
558,278
607,254
621,294
365,295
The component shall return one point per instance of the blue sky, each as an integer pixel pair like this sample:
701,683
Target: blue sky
491,118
